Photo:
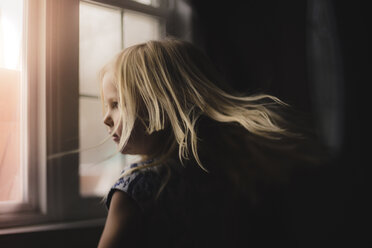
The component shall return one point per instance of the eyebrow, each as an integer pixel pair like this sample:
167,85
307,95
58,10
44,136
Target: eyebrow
110,99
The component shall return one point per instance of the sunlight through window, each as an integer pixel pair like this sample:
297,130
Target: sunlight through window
11,18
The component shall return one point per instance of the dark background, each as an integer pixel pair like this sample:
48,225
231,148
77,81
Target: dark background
266,46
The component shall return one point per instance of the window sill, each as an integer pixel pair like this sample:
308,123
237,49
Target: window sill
54,226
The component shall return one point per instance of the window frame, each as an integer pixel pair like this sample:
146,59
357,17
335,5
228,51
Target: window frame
52,57
161,11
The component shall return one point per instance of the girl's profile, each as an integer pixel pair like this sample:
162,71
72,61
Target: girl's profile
212,161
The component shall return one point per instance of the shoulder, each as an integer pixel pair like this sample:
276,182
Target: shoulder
141,185
123,222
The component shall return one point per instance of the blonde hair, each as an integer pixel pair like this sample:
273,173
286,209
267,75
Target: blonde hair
171,82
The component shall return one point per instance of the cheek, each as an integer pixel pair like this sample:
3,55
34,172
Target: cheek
120,126
117,121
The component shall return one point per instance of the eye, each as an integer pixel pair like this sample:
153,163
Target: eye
114,105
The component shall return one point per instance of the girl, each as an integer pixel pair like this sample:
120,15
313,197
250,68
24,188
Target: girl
212,162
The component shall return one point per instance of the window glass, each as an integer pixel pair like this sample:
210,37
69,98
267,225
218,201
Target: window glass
100,39
11,180
133,21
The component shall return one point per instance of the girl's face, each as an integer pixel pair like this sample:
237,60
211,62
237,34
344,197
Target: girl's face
111,101
140,142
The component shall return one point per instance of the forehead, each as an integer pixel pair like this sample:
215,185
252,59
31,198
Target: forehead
108,86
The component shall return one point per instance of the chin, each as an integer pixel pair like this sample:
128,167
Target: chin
124,150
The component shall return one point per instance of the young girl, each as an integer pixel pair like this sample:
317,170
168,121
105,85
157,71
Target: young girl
212,162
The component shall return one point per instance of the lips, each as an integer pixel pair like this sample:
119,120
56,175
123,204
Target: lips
116,138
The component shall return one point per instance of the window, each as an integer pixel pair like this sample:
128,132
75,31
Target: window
10,101
49,103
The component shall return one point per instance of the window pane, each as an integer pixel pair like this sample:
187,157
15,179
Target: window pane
133,21
100,40
11,18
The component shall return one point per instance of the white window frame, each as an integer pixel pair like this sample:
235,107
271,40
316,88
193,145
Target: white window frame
52,58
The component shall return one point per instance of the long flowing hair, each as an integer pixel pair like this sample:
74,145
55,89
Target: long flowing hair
171,85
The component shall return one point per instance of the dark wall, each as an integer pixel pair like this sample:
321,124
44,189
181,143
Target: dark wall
354,25
73,238
258,45
263,46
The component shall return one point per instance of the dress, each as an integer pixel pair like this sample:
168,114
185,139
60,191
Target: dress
197,209
142,186
191,211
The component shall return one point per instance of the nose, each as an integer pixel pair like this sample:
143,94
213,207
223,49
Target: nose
107,120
